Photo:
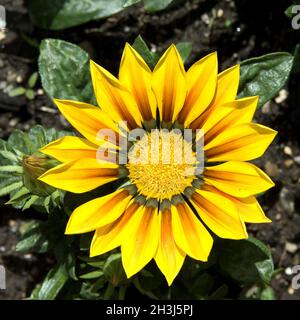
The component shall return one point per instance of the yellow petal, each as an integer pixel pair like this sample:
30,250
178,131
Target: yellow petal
237,178
98,212
189,233
80,175
136,76
169,84
70,148
142,240
219,214
110,236
201,81
226,91
87,119
242,142
113,97
229,115
248,208
169,258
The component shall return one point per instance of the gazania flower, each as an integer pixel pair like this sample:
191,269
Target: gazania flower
163,211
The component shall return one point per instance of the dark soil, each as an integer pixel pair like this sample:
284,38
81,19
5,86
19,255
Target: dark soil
237,30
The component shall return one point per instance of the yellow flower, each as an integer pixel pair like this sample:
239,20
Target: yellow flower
162,212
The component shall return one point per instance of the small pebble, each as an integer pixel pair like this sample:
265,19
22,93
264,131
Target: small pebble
291,290
3,84
11,77
266,108
271,169
126,29
205,18
153,48
297,159
13,122
282,96
288,163
12,223
28,256
288,150
8,88
287,201
40,92
220,13
19,79
288,271
278,216
291,247
2,35
48,109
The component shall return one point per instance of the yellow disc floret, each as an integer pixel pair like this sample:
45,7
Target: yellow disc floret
161,164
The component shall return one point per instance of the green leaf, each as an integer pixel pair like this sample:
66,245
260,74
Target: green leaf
38,135
8,179
92,275
156,5
30,202
10,188
296,65
129,3
16,169
52,284
97,262
64,70
33,239
40,236
113,269
29,93
184,49
246,261
16,92
109,291
64,253
87,292
202,285
267,294
22,194
265,75
32,80
19,140
137,283
265,267
141,47
61,14
9,156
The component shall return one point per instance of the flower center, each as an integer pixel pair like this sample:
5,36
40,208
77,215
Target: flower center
162,164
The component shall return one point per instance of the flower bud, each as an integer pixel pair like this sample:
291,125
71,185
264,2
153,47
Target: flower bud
33,167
